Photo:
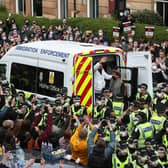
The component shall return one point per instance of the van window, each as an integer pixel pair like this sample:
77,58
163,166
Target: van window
23,77
37,80
2,71
49,82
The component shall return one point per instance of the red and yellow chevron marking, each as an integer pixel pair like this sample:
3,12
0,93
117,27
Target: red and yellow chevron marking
82,85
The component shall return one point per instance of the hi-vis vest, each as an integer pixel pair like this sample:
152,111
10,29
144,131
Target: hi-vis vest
79,112
146,130
139,96
164,163
133,122
99,114
158,122
135,165
116,163
165,140
118,108
43,121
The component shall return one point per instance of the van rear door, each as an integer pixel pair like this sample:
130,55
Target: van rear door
83,79
142,61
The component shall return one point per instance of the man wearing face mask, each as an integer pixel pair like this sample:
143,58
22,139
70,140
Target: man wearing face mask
144,130
100,76
162,155
132,146
141,159
123,158
154,162
101,111
143,94
76,108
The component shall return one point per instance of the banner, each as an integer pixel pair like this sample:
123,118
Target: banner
116,32
149,32
127,27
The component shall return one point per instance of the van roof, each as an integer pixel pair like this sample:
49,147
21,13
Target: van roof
57,48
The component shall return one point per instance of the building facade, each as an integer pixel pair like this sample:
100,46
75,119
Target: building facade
60,8
158,6
84,8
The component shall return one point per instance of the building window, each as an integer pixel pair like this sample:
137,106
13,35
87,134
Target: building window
21,5
37,7
93,8
36,80
162,10
62,9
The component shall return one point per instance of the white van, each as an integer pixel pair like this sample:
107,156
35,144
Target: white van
44,67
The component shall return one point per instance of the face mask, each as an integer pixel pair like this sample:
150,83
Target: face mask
99,103
124,152
100,34
77,104
144,159
132,146
139,90
123,133
4,37
155,163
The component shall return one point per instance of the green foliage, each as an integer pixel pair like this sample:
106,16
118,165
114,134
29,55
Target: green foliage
147,17
3,12
3,8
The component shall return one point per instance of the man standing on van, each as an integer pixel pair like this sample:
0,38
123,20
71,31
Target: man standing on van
99,76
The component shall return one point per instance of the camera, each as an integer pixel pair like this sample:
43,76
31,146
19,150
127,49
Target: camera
95,121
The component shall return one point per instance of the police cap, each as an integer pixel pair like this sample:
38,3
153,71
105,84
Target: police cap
154,158
21,93
141,114
143,152
44,100
76,99
122,145
144,85
119,97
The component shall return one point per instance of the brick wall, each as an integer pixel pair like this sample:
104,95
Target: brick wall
140,4
49,8
10,5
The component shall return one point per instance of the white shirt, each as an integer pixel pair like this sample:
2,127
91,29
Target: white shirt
99,78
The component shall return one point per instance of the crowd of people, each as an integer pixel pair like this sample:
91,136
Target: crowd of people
116,135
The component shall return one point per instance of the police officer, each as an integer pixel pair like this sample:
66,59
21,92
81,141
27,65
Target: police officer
132,146
76,108
122,158
144,108
101,111
159,101
143,130
165,136
141,159
107,93
129,117
158,121
66,98
143,94
166,92
162,155
118,106
154,162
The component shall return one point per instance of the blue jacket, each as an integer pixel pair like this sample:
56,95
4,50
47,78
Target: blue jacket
109,148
